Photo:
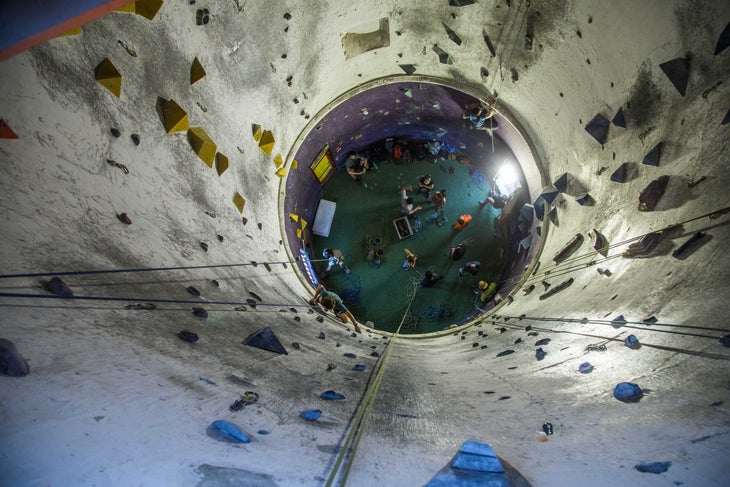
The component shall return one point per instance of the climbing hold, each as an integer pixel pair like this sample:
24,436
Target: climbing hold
725,121
650,320
618,321
600,242
625,172
146,8
725,341
202,145
549,193
265,339
585,200
649,196
627,392
505,352
221,163
266,143
115,132
723,41
547,428
311,414
585,368
175,118
561,184
124,218
653,467
645,245
320,320
188,336
239,202
215,283
598,128
332,396
358,368
5,131
632,342
408,68
374,354
200,312
256,296
569,248
58,287
444,57
263,432
226,431
560,287
12,362
452,35
331,367
193,291
688,247
539,206
677,70
349,355
136,139
196,71
540,354
204,246
108,77
553,216
321,335
297,345
541,342
618,119
220,238
652,158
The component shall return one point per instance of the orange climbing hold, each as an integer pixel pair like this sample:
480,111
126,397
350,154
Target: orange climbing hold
5,131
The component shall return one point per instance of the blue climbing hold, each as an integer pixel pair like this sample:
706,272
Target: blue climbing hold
265,339
263,432
598,128
627,392
192,290
650,320
540,354
631,341
311,414
585,368
618,321
200,313
506,352
359,368
229,431
60,288
653,467
332,396
349,355
541,342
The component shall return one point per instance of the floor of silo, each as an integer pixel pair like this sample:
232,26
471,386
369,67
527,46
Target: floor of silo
364,215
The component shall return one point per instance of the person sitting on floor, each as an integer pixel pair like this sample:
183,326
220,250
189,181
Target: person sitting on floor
425,185
457,252
357,165
332,302
410,261
439,199
470,268
406,202
429,279
335,257
462,222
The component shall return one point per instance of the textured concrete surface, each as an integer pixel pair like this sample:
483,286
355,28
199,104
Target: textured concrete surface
115,398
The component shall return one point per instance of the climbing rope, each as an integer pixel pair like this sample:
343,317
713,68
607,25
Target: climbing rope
362,415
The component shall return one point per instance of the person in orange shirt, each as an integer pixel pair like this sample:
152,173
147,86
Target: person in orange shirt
461,222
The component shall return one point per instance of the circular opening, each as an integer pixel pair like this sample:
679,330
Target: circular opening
391,137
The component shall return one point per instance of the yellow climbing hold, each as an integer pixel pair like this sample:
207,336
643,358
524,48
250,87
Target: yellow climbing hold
221,163
239,202
293,217
294,164
108,77
281,172
278,161
303,222
202,145
267,142
257,131
147,8
299,233
196,71
176,119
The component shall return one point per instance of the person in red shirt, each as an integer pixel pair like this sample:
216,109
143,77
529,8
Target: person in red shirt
439,199
462,222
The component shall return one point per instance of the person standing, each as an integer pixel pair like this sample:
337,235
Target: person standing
335,257
469,268
410,261
439,199
462,222
406,202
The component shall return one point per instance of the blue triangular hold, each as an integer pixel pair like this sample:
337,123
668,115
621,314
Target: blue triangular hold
229,432
553,216
585,200
618,119
677,70
549,193
477,463
561,184
539,207
311,414
726,120
598,128
723,41
624,173
332,396
652,158
474,465
265,339
526,212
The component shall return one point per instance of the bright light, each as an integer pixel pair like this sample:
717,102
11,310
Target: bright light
507,179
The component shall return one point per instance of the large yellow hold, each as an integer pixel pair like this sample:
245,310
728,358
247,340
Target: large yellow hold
203,145
109,77
176,119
